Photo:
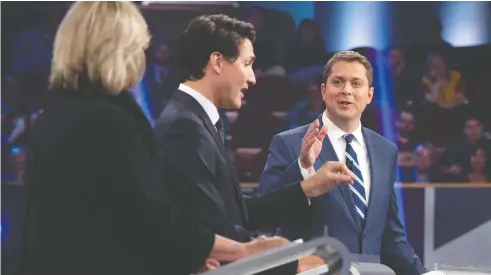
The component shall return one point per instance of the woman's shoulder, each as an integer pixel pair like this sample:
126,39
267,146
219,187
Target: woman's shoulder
88,111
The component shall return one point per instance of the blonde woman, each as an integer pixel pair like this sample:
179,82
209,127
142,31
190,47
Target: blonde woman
95,204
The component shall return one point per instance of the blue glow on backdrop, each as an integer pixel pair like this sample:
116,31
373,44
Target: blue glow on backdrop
140,94
298,10
465,23
349,25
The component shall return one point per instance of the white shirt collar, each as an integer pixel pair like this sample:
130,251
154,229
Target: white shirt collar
210,109
336,133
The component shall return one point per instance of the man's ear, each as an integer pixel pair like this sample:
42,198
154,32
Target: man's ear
370,94
216,62
323,91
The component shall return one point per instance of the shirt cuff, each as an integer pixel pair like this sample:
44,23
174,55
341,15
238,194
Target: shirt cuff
306,173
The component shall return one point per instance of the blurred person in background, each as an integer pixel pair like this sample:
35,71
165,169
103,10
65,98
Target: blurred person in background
309,48
475,168
424,166
407,137
266,53
307,110
159,82
455,157
406,134
404,83
443,86
95,200
478,169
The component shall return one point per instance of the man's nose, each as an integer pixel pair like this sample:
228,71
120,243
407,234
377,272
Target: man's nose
252,78
347,89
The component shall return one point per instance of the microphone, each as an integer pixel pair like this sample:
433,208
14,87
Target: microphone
349,163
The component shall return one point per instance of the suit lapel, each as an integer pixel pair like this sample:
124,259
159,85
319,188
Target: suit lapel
216,136
200,112
328,154
374,177
231,168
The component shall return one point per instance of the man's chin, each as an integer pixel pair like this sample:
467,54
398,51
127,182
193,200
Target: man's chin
232,105
346,115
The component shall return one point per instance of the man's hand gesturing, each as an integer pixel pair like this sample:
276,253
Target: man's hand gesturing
312,144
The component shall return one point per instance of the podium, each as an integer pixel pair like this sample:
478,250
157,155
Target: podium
335,254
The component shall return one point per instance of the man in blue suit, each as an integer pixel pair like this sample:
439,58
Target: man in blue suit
362,215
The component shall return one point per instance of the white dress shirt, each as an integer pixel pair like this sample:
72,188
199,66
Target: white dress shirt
336,137
210,109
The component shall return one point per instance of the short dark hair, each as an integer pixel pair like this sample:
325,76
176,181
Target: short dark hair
390,49
348,56
406,110
433,55
207,34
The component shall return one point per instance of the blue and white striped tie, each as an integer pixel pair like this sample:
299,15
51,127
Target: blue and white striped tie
358,187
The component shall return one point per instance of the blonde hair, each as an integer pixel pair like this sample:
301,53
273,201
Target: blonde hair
100,44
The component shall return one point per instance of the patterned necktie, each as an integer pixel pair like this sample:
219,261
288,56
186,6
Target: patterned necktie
219,126
358,187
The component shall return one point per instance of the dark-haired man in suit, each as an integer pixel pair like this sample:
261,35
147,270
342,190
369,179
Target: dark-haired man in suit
362,215
216,57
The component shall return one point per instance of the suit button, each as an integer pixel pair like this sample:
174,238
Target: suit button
362,237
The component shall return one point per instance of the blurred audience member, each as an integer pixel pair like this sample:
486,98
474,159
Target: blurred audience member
404,83
407,138
307,110
478,169
455,157
267,61
158,81
424,164
406,135
309,49
443,86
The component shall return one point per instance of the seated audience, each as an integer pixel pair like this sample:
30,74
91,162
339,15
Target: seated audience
457,154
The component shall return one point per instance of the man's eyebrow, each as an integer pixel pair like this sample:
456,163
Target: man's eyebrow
343,78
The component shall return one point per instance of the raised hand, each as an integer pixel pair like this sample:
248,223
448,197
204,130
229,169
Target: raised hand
312,144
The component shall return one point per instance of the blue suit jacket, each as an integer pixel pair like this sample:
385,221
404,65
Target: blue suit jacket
334,211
